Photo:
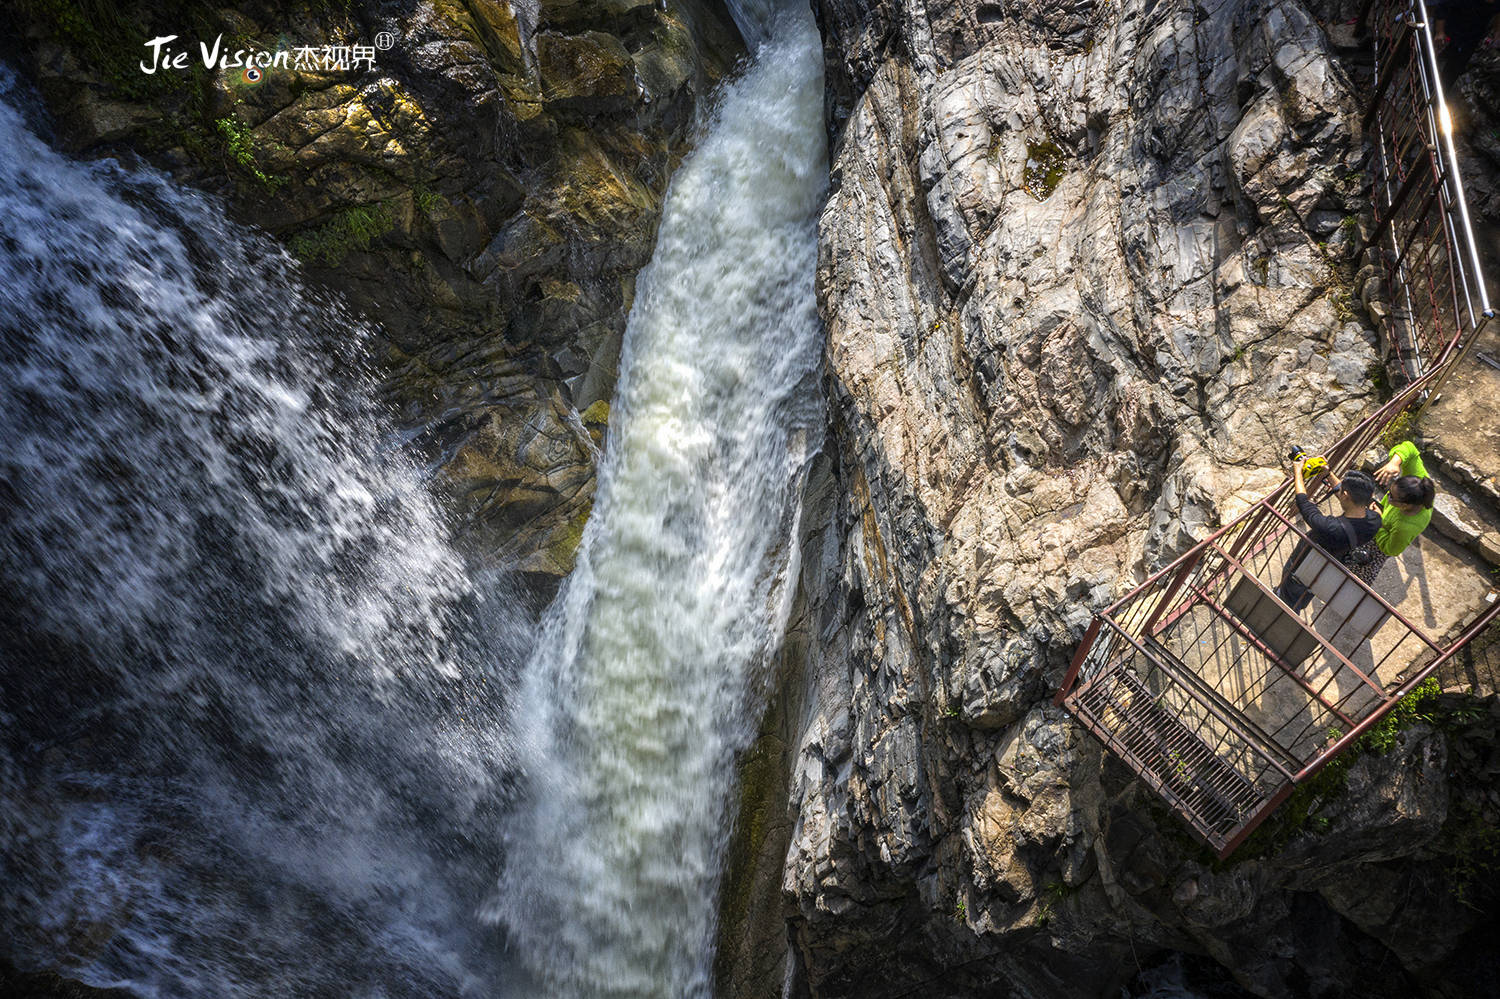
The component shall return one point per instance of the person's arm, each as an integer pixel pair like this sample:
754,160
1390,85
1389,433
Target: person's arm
1386,535
1411,461
1322,530
1403,460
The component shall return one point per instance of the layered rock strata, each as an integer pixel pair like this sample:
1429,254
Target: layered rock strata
1087,271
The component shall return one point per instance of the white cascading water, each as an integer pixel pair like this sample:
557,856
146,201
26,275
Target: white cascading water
256,722
639,694
252,711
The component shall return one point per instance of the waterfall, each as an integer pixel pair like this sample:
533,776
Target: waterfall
261,732
251,706
641,689
756,19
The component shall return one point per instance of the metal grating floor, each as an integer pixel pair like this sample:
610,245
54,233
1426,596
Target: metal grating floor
1213,795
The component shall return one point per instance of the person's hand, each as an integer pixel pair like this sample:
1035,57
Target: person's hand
1387,473
1375,507
1297,465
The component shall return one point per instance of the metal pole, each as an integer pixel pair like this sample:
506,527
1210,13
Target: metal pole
1445,124
1171,593
1405,192
1254,821
1084,648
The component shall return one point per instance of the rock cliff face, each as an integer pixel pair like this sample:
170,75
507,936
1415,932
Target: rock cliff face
486,187
1086,270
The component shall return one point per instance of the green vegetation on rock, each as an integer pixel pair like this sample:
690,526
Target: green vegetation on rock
348,230
428,201
1044,168
167,110
562,546
88,24
597,414
1400,429
1301,811
108,40
1473,849
240,145
595,420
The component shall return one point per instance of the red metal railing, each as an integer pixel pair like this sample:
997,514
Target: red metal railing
1422,228
1204,679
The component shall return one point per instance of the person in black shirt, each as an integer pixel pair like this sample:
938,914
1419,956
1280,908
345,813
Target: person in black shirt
1338,536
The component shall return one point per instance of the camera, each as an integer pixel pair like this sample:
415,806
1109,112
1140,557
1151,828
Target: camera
1313,463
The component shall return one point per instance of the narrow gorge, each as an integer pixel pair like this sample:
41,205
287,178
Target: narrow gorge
595,500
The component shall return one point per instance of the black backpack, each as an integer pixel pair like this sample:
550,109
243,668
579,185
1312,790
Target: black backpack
1357,554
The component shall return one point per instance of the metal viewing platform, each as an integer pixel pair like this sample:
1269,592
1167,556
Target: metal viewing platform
1214,691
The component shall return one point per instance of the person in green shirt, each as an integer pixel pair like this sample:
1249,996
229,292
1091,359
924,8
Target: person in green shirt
1407,508
1405,511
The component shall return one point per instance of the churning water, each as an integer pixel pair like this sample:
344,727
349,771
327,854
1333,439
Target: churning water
639,693
261,734
251,708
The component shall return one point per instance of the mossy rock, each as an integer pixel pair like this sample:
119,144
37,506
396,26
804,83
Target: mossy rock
523,481
561,551
494,26
592,190
668,62
354,228
597,415
596,421
1045,165
575,14
592,72
480,193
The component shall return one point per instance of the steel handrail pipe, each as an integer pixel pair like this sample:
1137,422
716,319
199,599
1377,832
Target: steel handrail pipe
1445,133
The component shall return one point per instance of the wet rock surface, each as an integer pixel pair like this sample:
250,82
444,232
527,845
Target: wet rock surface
486,188
17,984
1086,273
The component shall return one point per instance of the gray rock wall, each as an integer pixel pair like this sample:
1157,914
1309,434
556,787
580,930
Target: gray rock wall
1087,271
